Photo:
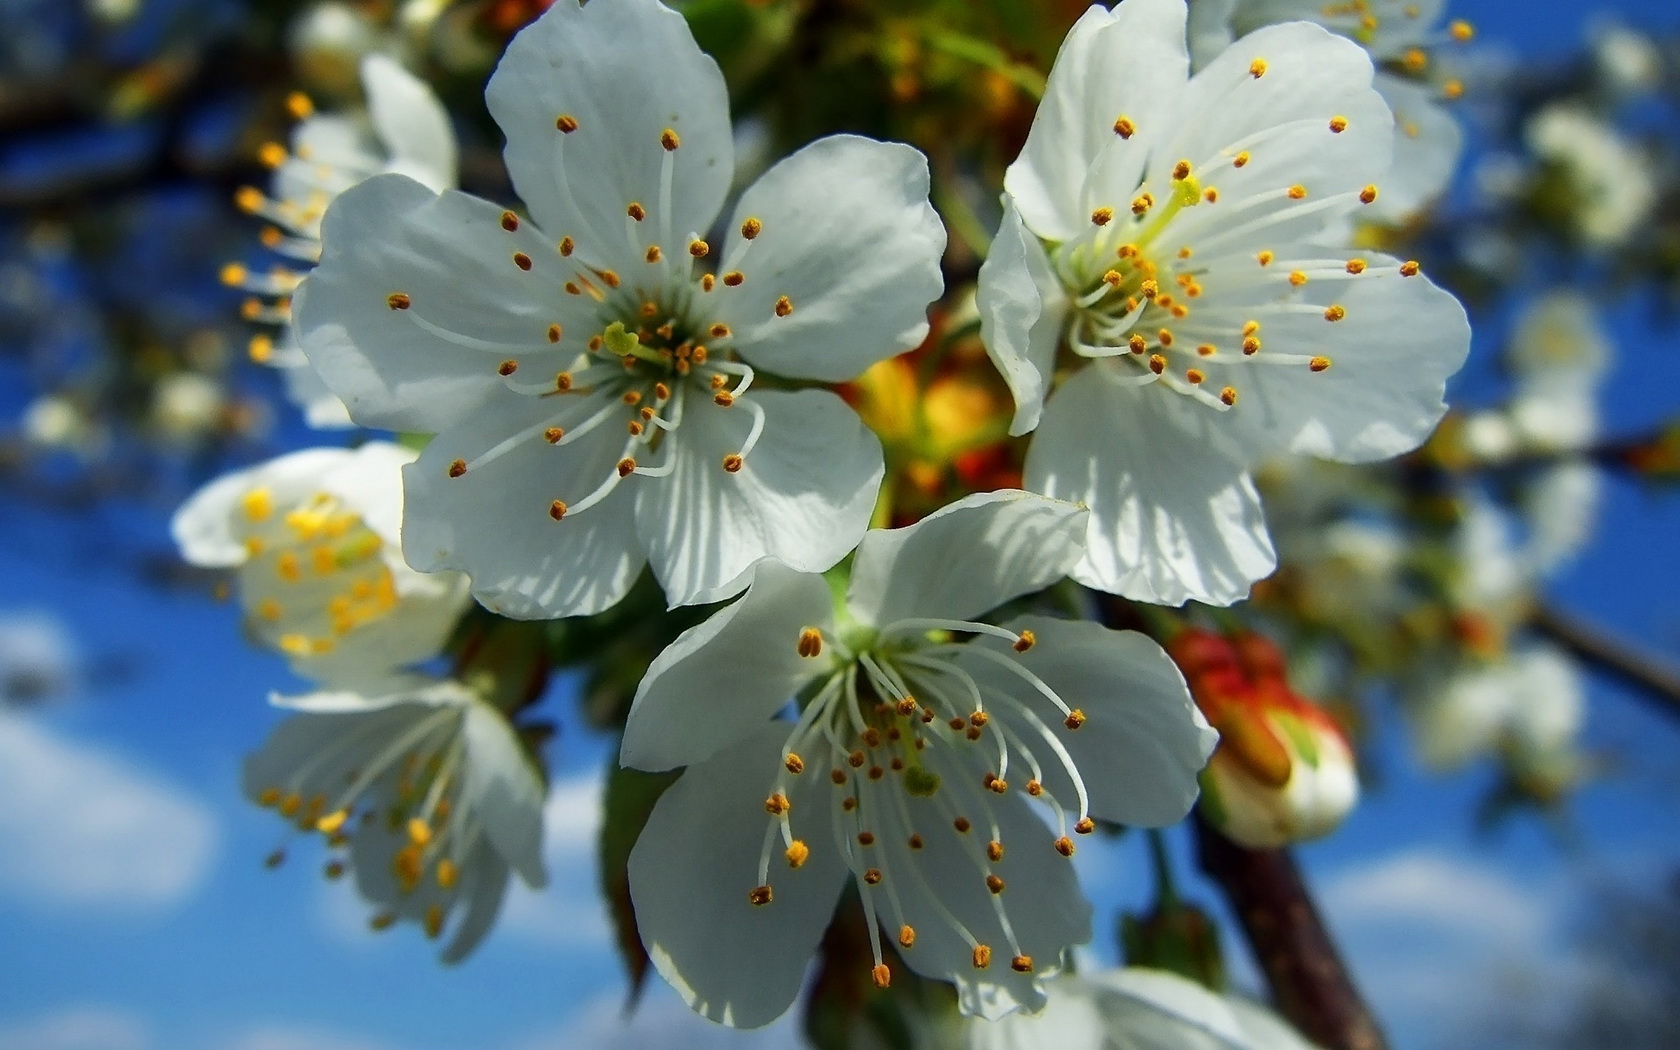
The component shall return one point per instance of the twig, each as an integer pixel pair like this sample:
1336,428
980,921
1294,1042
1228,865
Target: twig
1309,982
1653,678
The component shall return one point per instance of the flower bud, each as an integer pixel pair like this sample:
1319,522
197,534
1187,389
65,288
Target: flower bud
1283,771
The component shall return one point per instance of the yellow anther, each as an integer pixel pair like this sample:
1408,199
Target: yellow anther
994,851
419,832
299,107
610,277
457,468
1318,364
1075,719
508,367
1452,89
1265,258
1164,337
447,874
981,956
1257,68
272,154
719,331
1195,376
759,896
290,805
866,838
1409,268
1124,127
881,975
248,199
382,922
233,275
1207,350
258,504
521,260
777,804
670,140
1211,195
1084,826
1338,124
906,936
1102,216
1024,641
1240,160
1021,964
636,211
287,567
794,763
626,466
1462,31
1334,312
1142,203
1415,59
1064,846
1356,266
872,876
1251,346
566,246
962,825
810,642
565,123
1149,289
434,921
332,822
1228,395
1297,192
1157,363
654,254
510,221
1297,278
268,797
1368,194
1181,170
751,228
915,841
733,463
1137,343
557,509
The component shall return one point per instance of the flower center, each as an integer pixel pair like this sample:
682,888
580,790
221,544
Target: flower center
909,736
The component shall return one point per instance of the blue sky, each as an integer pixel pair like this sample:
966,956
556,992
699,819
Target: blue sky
138,916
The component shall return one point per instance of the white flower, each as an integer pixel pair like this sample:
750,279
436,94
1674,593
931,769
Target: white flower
1607,184
1529,705
321,577
1559,354
916,766
1402,38
1137,1008
1627,61
1560,508
186,406
1168,230
426,789
587,370
405,129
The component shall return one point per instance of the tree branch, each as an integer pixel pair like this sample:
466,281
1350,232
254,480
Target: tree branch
1655,679
1309,982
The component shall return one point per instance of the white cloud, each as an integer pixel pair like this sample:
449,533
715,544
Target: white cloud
662,1022
1431,936
38,659
290,1037
570,910
77,1028
83,825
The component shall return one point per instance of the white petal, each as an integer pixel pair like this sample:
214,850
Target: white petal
1427,144
369,482
803,497
849,239
449,254
494,521
966,558
1173,517
1130,61
695,864
1282,119
1070,1020
1560,506
625,72
322,409
1156,1010
1143,742
1041,896
411,122
210,528
722,679
483,886
1391,353
1209,30
1022,306
504,791
1262,1029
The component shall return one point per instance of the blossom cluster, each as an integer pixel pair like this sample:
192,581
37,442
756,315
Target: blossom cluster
652,361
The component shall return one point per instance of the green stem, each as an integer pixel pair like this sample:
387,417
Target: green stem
1166,889
992,57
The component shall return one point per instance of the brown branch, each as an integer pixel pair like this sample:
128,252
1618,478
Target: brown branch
1653,678
1309,982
